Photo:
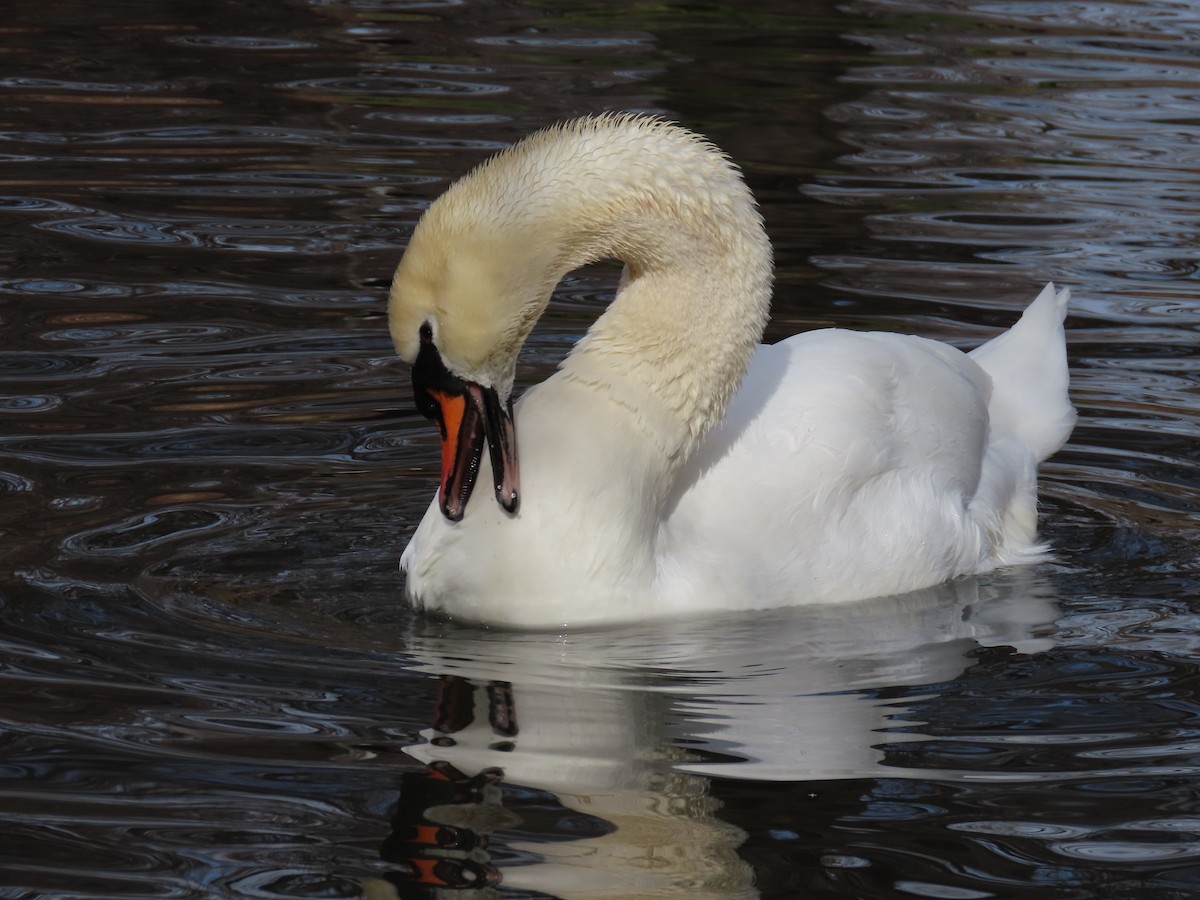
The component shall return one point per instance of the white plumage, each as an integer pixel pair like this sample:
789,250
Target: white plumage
673,465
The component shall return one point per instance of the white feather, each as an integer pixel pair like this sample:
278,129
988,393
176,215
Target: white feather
671,466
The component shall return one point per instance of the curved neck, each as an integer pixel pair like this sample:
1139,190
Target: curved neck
673,348
695,294
675,343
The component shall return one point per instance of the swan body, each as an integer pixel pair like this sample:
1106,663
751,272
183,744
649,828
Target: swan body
673,464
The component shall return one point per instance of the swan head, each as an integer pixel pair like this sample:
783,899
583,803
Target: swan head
453,318
476,275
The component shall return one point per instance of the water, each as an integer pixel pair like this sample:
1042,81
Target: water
209,463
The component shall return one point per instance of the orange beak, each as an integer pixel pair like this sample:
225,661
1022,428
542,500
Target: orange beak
467,414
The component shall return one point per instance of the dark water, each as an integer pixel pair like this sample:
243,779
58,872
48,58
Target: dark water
209,462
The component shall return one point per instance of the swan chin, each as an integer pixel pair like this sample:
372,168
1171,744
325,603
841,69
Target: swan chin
674,465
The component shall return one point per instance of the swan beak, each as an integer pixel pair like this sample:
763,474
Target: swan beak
501,432
467,415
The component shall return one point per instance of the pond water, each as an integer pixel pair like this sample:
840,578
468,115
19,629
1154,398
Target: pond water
209,462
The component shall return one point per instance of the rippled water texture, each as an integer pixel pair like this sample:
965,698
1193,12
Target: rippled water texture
209,462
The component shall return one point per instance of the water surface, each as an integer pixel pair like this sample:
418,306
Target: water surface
209,462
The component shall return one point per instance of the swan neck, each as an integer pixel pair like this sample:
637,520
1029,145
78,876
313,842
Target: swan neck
693,301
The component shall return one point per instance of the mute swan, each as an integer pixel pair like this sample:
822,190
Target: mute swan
673,464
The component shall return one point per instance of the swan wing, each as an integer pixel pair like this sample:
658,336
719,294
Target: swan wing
853,465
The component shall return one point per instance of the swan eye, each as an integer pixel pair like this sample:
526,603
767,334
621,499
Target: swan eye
428,374
430,377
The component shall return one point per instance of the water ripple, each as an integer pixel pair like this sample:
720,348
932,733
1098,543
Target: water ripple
241,42
262,236
378,90
138,534
30,403
133,87
43,366
34,204
210,463
263,443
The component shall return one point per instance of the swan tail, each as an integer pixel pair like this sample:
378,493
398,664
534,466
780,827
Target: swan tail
1028,368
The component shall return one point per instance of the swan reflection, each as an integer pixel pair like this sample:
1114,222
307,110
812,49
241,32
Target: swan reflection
613,737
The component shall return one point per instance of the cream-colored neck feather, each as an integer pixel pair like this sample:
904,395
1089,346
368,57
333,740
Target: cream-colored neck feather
693,300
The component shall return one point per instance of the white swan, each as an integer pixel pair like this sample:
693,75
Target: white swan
672,464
